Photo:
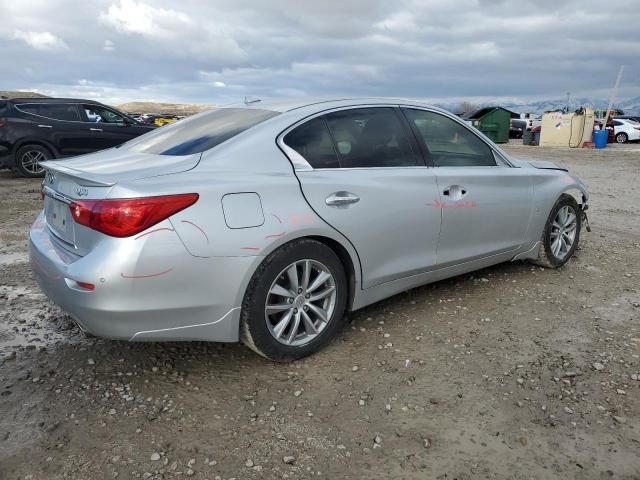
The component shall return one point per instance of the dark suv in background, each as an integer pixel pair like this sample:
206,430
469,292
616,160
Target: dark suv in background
33,130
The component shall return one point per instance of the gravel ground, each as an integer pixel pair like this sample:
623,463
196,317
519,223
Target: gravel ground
511,372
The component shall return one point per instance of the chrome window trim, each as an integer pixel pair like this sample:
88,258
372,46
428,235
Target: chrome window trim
301,164
17,107
472,130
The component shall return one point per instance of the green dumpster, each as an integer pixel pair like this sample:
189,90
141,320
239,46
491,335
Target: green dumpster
493,122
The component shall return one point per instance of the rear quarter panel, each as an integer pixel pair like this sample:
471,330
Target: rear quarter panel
253,165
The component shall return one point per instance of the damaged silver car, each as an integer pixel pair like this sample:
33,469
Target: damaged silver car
266,222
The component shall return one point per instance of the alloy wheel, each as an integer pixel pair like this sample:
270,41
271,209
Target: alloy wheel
563,232
31,159
300,302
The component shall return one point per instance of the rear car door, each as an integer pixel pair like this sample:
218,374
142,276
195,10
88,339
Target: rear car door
360,171
61,123
485,203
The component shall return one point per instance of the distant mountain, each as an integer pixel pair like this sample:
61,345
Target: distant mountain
168,108
628,106
18,94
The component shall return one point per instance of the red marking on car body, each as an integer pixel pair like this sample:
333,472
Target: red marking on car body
249,248
123,275
153,231
194,225
301,218
439,204
277,218
275,235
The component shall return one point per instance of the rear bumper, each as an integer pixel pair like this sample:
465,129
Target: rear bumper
187,298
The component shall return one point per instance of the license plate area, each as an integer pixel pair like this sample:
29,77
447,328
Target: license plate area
59,219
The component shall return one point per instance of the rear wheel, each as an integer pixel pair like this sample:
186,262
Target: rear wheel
622,137
28,160
561,233
295,301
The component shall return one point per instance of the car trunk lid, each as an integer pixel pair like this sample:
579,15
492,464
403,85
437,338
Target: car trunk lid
92,177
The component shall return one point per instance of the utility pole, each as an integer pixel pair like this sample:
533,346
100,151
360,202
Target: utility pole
613,96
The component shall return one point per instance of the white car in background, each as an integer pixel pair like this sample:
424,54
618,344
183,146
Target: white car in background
626,130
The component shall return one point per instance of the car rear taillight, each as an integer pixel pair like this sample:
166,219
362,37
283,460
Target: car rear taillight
123,217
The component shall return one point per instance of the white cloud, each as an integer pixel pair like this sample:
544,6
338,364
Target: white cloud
41,40
177,50
130,16
174,33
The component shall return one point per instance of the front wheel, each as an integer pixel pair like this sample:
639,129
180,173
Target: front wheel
28,160
561,233
622,137
295,301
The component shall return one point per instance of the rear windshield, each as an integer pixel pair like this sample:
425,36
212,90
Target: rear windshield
200,132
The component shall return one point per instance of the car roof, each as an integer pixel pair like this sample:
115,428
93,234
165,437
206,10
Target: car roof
320,103
51,100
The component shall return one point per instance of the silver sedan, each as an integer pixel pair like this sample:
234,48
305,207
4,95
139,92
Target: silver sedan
266,222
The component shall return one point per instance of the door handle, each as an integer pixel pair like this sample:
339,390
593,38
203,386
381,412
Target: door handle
342,199
455,192
95,129
45,126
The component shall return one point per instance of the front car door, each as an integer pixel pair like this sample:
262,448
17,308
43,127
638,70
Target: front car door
366,179
108,127
486,204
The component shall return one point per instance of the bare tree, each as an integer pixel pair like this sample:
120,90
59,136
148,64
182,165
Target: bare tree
467,107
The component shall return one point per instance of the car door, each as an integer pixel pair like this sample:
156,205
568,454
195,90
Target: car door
108,127
365,178
61,123
486,204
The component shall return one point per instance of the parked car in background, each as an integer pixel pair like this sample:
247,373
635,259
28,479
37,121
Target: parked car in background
626,130
33,130
267,222
517,127
165,119
635,118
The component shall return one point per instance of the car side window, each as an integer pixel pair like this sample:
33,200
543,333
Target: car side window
313,142
60,111
98,114
617,123
31,108
370,137
447,143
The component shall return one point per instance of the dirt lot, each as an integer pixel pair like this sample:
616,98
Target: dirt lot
512,372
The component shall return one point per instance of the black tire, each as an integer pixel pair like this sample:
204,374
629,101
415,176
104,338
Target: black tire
25,155
546,257
622,137
254,331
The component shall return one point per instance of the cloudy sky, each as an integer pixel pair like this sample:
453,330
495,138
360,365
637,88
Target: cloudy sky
218,51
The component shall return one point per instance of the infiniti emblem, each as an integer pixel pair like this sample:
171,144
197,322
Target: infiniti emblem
82,191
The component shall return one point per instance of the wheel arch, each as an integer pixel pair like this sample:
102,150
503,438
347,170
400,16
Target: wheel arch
348,258
347,263
37,141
